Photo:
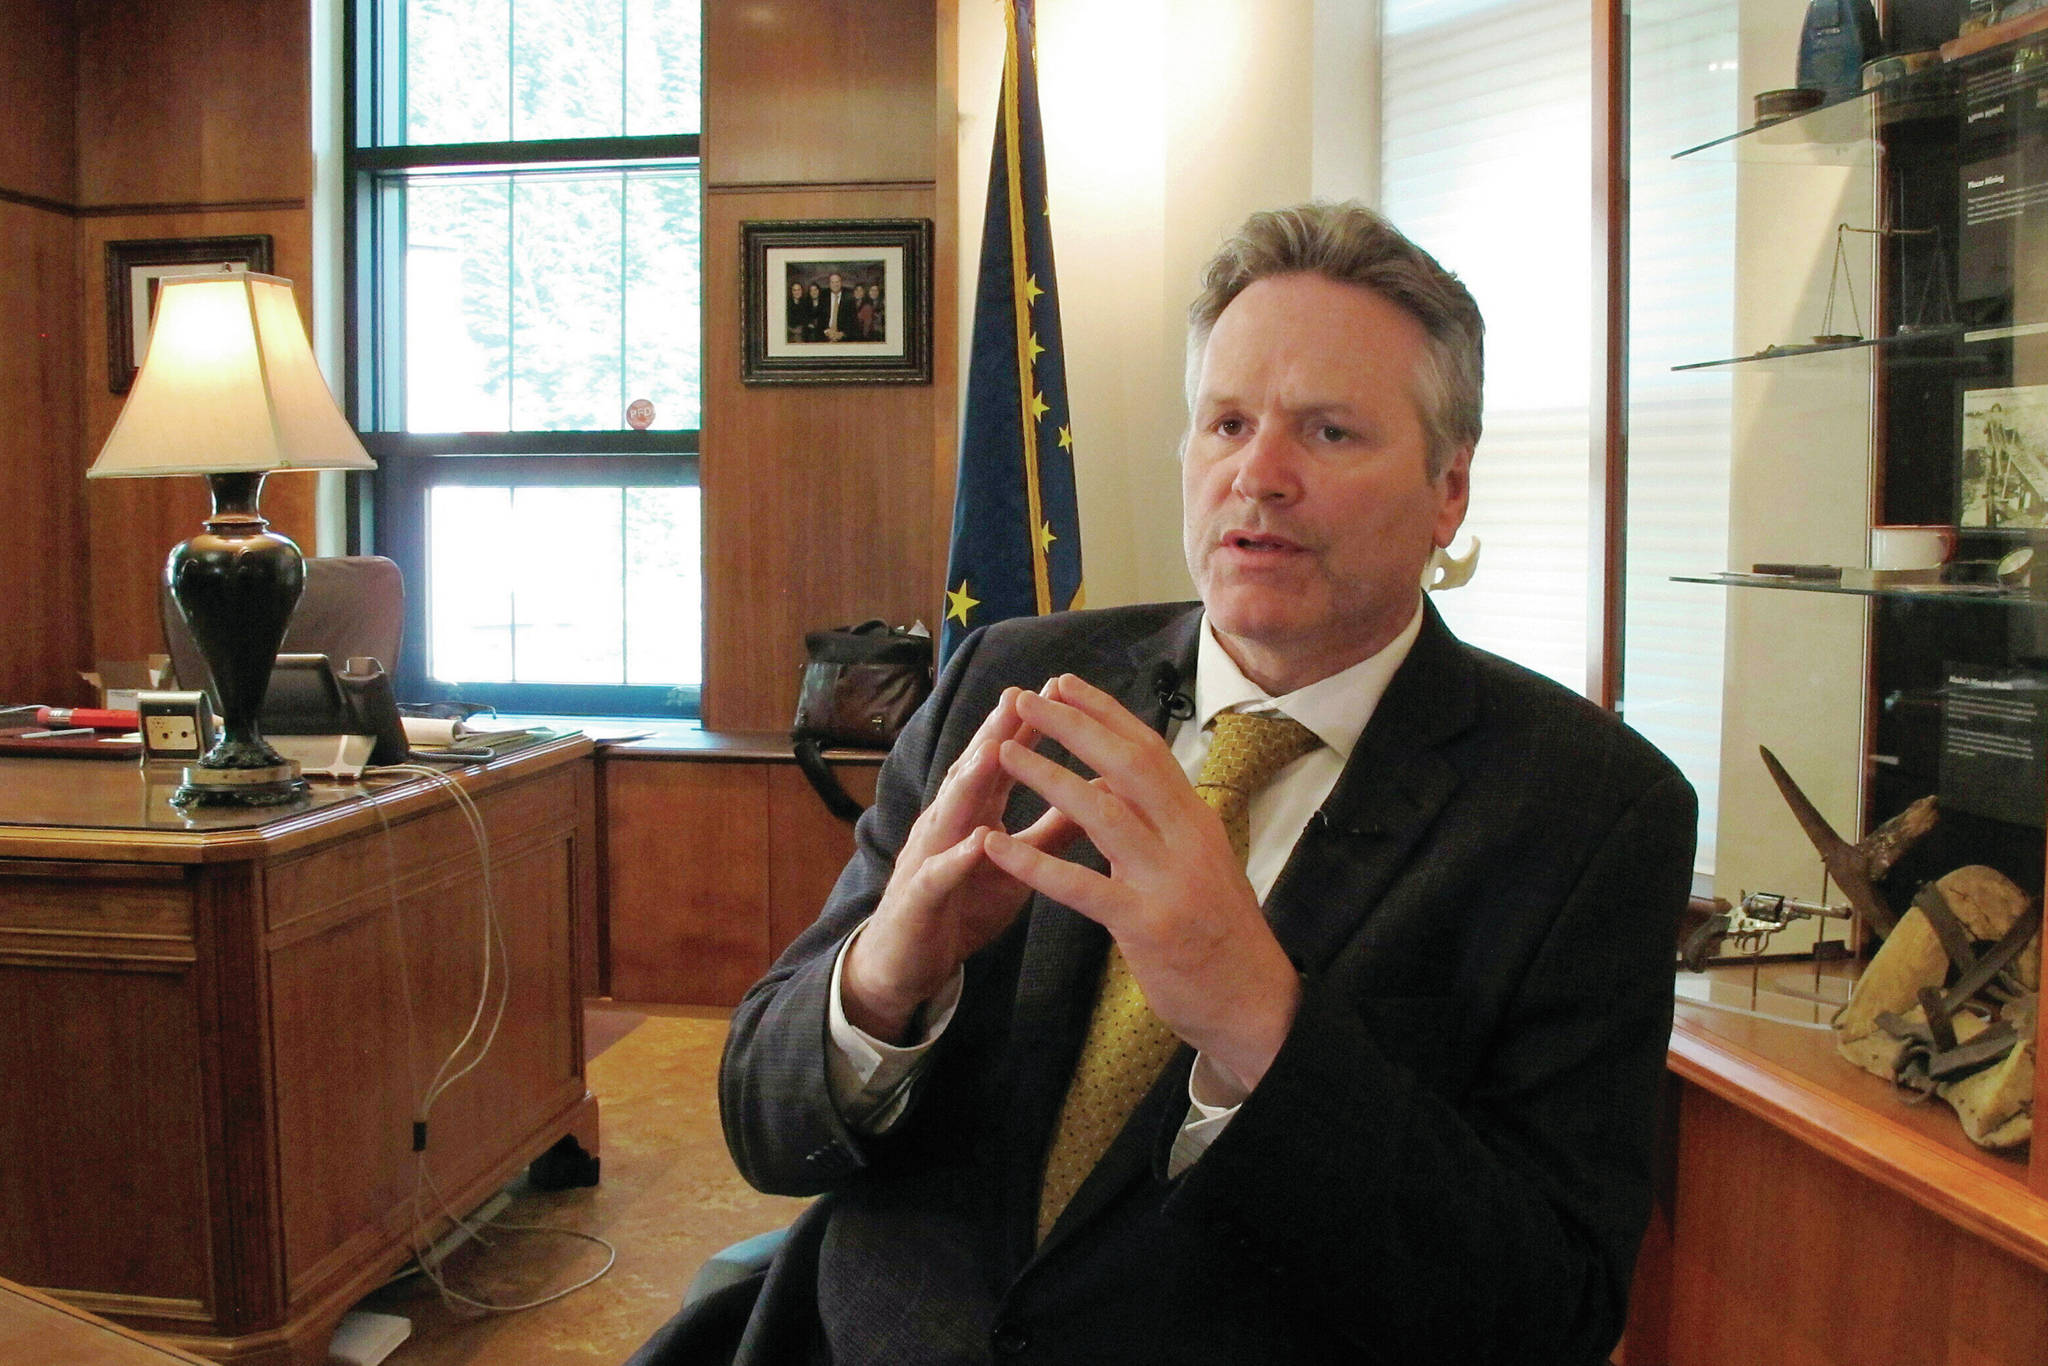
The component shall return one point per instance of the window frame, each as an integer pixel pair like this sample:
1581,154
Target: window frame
385,510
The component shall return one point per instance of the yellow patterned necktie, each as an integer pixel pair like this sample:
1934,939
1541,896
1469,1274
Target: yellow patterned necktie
1127,1045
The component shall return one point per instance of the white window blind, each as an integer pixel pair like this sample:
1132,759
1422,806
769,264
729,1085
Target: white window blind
1682,92
1486,126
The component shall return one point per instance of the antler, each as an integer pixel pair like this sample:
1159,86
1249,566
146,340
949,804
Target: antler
1855,867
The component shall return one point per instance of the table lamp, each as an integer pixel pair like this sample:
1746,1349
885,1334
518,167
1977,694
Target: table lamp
228,388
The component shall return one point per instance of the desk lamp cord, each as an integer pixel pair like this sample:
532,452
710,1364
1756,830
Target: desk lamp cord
443,1077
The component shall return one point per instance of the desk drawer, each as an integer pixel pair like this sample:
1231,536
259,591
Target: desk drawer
54,911
429,847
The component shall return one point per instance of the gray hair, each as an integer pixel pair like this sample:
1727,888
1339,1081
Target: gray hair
1353,245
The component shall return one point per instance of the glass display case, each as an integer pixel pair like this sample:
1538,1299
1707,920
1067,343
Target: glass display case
1836,600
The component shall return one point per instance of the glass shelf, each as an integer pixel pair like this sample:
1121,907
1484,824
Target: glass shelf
1898,340
1930,592
1785,990
1839,134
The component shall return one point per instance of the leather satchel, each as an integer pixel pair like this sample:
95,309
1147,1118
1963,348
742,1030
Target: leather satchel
860,687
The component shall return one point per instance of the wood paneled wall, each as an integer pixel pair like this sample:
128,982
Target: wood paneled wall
42,556
42,560
821,501
194,102
825,503
38,93
177,118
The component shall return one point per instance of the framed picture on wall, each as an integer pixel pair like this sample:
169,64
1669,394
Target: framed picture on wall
2004,474
133,271
837,301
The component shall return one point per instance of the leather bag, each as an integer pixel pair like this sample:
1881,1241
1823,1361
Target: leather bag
860,687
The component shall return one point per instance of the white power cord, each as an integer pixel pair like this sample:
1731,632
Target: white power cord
444,1077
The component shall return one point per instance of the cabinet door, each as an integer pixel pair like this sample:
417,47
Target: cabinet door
104,1059
808,846
686,853
712,869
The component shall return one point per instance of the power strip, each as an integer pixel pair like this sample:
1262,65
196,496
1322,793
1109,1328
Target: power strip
444,1246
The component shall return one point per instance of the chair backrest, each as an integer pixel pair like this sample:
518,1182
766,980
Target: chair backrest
353,605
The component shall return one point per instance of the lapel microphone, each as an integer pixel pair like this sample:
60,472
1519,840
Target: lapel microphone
1166,686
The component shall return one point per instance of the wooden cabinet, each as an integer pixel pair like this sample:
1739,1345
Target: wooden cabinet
216,1031
1808,1219
717,855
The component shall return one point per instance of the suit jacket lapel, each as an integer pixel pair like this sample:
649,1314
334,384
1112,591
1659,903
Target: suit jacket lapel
1397,780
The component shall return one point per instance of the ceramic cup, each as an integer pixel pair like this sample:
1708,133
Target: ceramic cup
1911,547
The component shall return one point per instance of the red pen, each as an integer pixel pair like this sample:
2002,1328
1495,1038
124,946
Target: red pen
98,718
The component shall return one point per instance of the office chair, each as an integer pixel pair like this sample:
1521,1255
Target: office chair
353,605
733,1264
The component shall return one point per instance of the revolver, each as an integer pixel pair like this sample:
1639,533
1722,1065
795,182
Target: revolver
1750,925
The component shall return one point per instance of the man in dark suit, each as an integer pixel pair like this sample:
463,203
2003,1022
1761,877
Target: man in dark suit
835,310
1415,1009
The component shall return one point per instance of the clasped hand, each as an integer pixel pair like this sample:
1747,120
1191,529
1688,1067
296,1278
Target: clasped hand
1175,898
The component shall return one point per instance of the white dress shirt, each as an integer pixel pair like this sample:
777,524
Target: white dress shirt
869,1078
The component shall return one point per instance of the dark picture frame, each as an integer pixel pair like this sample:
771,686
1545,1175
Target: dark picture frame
2002,475
135,267
883,314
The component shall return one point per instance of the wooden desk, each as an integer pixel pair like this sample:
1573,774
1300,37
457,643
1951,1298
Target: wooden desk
214,1031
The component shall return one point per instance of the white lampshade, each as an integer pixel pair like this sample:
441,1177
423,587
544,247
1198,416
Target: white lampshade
228,385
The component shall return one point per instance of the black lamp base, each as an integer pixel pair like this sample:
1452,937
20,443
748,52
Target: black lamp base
273,785
236,584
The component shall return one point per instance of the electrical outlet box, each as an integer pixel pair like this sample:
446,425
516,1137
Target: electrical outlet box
176,726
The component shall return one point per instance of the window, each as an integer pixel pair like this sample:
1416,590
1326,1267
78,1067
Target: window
1486,118
1486,127
525,290
1683,85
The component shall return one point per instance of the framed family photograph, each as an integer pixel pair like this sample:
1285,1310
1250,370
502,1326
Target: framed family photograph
2004,476
837,301
133,272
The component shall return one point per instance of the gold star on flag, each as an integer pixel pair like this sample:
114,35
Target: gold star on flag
1067,439
1032,347
1045,536
958,604
1038,407
1031,289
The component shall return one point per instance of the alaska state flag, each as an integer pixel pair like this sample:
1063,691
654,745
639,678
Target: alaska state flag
1016,548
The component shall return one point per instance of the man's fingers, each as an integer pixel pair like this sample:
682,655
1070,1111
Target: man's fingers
1079,693
1084,889
976,759
1131,758
942,872
1051,832
997,726
1121,829
975,780
956,806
